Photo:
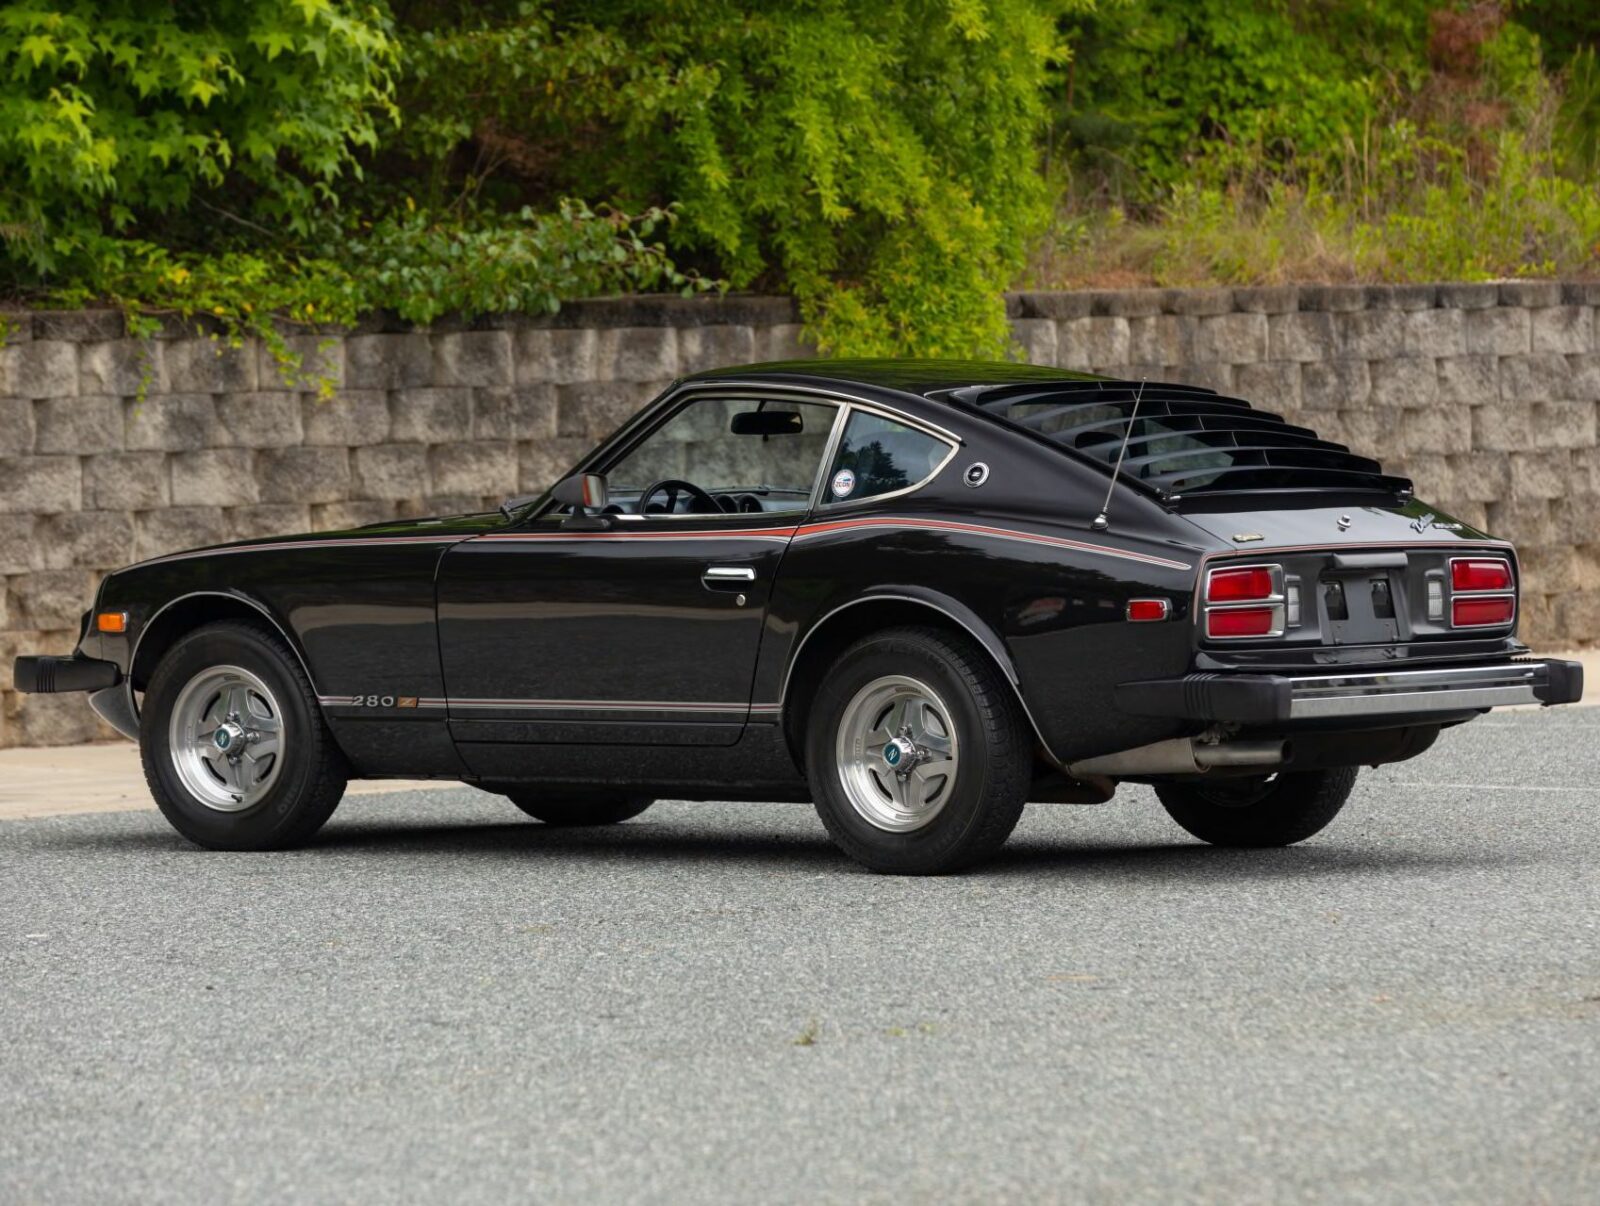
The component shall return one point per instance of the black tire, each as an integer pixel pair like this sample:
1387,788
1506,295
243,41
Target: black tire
575,810
1276,810
992,775
312,778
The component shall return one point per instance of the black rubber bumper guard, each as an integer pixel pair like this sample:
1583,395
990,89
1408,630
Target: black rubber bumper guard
1263,699
41,674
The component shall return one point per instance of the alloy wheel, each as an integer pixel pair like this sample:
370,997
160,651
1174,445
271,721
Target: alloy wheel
226,738
897,753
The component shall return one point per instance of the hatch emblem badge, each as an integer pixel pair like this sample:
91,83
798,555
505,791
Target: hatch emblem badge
1343,523
1423,522
1247,537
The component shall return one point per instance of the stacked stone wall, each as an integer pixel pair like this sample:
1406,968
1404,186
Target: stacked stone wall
115,449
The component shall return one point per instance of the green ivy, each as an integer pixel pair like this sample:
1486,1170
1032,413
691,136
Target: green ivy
415,266
421,266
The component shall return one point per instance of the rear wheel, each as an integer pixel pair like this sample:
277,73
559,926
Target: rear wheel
1263,810
575,810
918,753
234,746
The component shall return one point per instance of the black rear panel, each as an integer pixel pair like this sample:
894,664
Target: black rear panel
1352,597
1185,440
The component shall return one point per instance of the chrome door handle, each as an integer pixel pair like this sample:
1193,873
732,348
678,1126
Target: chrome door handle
728,573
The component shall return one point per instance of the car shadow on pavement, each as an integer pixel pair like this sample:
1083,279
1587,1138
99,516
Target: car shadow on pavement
644,842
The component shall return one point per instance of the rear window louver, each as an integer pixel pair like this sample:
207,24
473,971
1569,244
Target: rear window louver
1186,440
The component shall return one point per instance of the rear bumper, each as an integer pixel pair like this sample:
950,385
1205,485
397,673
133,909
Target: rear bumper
1260,699
43,675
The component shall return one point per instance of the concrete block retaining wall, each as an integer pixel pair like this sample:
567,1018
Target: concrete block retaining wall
1485,394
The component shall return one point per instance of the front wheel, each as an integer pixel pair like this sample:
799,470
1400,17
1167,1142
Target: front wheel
1262,810
234,746
918,753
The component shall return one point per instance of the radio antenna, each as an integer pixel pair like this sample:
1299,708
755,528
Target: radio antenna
1100,521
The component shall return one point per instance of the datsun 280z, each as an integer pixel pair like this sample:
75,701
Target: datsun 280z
917,594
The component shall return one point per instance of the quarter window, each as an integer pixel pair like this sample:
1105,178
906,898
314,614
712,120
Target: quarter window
880,456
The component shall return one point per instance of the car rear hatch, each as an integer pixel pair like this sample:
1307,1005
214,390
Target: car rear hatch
1352,615
1351,583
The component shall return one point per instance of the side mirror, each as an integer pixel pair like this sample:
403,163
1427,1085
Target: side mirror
582,492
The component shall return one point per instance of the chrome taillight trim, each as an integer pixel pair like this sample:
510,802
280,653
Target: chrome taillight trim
1497,593
1277,629
1483,596
1275,601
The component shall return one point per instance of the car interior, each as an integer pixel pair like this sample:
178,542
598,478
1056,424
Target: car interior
744,456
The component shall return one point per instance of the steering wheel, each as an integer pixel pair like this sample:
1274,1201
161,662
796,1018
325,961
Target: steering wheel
673,486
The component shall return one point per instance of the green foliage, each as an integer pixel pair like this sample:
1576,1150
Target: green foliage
282,164
879,159
412,265
115,114
422,267
1348,139
1167,91
1434,224
1565,28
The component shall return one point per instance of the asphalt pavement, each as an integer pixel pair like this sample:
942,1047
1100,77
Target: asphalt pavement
443,1001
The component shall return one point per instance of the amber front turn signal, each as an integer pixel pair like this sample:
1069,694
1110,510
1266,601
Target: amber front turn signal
111,621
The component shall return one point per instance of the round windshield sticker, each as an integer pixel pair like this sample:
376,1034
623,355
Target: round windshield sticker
844,481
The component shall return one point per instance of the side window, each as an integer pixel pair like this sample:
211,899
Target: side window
880,456
747,455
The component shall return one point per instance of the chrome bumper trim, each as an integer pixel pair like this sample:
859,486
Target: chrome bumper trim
1273,699
1457,689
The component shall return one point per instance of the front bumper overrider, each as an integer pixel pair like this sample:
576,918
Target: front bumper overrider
42,674
1356,696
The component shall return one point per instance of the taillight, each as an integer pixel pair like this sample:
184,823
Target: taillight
1244,601
1486,612
1240,585
1473,573
1244,622
1482,592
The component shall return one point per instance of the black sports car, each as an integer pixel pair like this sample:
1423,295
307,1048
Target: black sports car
919,594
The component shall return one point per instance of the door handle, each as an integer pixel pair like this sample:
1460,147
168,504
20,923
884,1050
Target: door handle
728,574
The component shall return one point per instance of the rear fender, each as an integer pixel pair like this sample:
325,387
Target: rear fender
911,600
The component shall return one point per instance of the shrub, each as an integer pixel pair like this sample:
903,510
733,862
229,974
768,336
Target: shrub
131,117
879,159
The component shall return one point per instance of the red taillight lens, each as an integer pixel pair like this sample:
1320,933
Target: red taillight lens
1468,573
1242,622
1239,585
1482,613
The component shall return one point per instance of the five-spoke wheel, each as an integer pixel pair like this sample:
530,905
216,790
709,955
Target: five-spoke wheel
918,753
898,753
235,749
226,738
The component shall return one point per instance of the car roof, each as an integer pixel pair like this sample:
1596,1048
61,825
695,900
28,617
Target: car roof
924,378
